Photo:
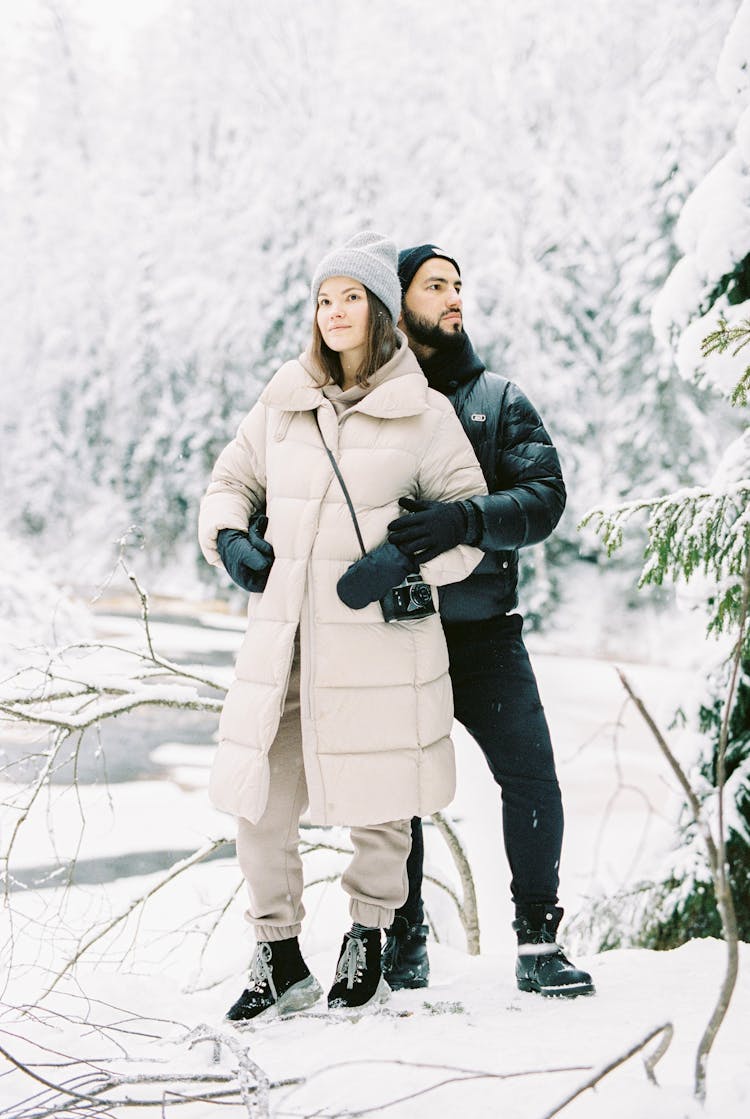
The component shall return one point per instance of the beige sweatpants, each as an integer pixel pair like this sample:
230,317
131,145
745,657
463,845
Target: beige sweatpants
269,856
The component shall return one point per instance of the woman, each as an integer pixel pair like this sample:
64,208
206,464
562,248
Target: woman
333,705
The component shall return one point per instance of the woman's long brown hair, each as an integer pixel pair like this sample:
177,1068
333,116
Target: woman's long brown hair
381,346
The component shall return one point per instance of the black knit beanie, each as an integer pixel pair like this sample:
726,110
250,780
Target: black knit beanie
410,260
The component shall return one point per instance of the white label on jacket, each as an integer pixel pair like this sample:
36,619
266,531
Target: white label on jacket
478,416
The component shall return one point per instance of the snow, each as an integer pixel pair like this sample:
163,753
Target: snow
723,370
34,609
470,1041
715,220
173,173
167,191
470,1018
732,69
713,231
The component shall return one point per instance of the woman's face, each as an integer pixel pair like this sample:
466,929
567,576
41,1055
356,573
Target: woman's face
343,317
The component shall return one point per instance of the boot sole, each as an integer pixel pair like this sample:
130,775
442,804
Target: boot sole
564,991
418,982
381,995
300,996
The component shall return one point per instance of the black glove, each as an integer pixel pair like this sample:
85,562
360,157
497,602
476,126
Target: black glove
431,528
247,557
369,578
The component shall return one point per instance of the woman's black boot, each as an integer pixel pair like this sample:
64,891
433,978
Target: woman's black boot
279,983
359,979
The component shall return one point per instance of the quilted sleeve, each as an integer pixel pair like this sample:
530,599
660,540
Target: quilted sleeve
528,492
238,484
449,471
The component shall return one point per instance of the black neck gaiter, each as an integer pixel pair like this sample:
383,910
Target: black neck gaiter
452,366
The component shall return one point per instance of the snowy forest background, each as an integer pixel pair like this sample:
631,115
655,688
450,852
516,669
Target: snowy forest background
172,172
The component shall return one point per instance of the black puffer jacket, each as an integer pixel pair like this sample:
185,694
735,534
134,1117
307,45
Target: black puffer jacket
526,489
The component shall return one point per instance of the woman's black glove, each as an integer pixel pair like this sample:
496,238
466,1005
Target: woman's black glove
374,575
247,557
431,528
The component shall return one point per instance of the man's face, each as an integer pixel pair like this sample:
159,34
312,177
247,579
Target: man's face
431,312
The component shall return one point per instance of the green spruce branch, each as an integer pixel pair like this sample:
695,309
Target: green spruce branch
727,337
693,530
703,529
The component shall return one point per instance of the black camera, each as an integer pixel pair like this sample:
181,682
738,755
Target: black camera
409,601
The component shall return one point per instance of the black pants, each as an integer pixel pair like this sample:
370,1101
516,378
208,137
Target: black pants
495,696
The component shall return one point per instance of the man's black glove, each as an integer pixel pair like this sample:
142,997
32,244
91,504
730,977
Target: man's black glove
247,557
431,528
369,578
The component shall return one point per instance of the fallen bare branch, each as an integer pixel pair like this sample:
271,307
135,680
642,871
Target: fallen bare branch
666,1029
128,703
177,869
158,662
257,1104
462,1075
650,1062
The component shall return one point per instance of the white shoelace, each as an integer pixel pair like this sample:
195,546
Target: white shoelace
352,962
260,969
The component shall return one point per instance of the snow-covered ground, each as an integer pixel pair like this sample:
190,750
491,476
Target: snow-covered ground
471,1041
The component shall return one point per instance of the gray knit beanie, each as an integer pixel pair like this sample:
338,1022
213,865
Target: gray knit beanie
370,258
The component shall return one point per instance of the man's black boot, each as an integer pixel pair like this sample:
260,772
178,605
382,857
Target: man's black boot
541,966
279,983
359,979
406,964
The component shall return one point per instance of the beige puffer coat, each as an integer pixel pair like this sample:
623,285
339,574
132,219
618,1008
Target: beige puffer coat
376,699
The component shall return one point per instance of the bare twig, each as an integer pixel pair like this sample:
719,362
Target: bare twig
36,788
89,1093
128,702
144,608
674,765
41,1079
666,1030
257,1104
722,889
461,1075
218,919
716,850
452,894
467,908
175,870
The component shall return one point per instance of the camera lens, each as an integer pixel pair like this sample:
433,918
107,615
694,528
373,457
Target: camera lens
421,594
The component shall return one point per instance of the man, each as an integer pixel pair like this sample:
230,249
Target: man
494,688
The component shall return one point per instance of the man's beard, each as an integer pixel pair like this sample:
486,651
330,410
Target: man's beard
426,333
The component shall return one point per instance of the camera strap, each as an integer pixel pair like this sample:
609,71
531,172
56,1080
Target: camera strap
342,483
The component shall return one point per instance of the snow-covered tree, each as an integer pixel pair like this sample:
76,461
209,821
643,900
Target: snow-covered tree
702,535
165,202
713,276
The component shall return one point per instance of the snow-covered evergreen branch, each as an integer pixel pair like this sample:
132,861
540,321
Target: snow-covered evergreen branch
732,337
703,530
707,530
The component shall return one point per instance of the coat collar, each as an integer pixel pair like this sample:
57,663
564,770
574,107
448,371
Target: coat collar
404,393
